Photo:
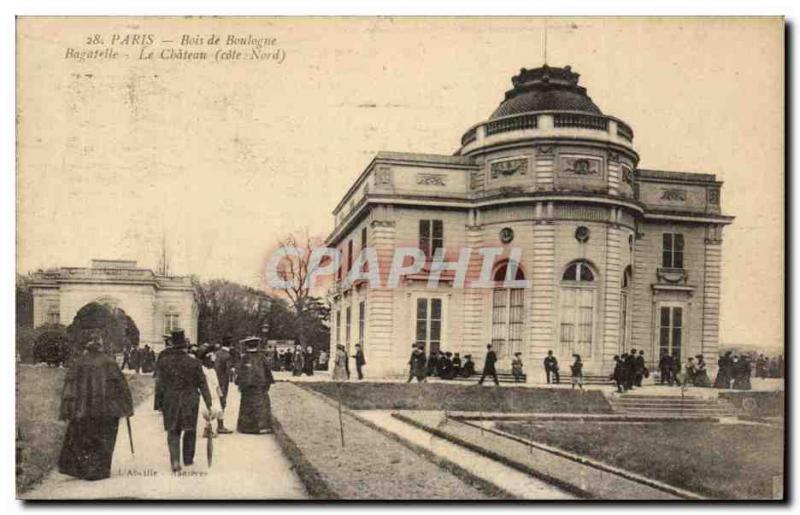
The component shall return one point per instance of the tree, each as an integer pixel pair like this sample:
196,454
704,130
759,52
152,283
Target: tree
115,326
230,309
24,302
226,308
296,270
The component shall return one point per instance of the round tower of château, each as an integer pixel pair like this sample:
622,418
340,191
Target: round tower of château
566,171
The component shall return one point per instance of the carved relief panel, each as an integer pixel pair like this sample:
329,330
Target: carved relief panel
581,166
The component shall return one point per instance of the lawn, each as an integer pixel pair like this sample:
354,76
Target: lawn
370,465
456,397
726,461
39,432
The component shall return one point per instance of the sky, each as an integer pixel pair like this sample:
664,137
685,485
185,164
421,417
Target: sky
225,158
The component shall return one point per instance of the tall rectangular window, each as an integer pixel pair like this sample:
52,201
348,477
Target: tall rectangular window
577,310
429,323
53,317
361,322
349,255
507,320
672,250
347,329
171,323
338,316
364,265
670,330
431,236
339,268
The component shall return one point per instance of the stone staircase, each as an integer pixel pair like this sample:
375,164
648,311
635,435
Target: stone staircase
670,406
502,376
595,379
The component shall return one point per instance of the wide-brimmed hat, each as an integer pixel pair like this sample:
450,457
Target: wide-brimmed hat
205,351
227,340
178,339
251,343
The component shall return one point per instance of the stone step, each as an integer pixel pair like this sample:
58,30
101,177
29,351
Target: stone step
662,397
650,402
684,414
630,409
675,411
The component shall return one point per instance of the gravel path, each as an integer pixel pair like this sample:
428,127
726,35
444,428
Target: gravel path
244,467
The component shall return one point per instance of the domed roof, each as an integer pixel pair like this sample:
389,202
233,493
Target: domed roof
545,89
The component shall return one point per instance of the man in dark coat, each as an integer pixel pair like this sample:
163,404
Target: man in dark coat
254,379
618,375
639,367
136,358
223,365
157,398
630,373
94,398
551,368
624,371
468,368
180,384
488,366
456,365
445,365
664,366
433,364
126,358
417,366
148,359
360,361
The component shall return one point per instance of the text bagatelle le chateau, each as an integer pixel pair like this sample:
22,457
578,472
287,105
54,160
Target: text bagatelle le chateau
185,47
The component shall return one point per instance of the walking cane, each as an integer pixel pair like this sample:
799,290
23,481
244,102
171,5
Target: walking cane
341,423
130,434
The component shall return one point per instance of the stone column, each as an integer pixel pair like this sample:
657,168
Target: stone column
711,294
542,307
380,328
611,297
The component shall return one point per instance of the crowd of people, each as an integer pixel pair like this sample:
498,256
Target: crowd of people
439,363
769,367
138,359
297,360
96,395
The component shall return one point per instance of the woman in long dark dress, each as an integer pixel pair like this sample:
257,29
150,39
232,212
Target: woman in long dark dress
723,379
308,362
298,361
741,374
254,379
94,398
701,373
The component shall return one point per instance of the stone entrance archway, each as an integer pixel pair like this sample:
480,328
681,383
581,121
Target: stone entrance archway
154,302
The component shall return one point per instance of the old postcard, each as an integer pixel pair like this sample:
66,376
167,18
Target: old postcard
484,258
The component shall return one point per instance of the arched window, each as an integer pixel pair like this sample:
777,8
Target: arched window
507,312
578,271
578,291
625,309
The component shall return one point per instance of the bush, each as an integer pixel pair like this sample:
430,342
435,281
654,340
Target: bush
52,345
25,339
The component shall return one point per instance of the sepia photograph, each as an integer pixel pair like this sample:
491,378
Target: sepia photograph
396,258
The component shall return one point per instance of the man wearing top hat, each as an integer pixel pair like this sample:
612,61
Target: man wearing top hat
224,368
254,379
180,384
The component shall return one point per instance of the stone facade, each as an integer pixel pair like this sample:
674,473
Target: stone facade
156,303
615,257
